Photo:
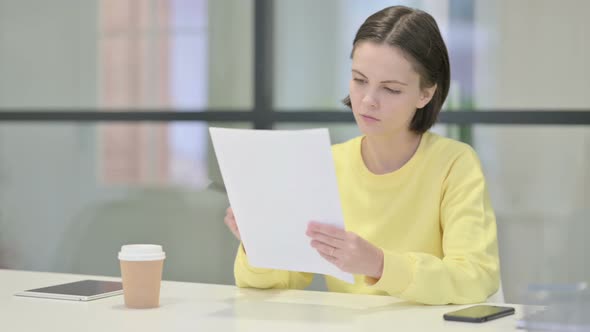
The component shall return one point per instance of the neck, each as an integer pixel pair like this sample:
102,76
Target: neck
386,154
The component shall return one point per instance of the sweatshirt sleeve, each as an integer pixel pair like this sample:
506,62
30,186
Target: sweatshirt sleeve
469,271
247,275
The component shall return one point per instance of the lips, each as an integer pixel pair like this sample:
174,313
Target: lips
368,117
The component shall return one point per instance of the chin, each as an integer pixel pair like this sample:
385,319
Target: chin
371,130
378,131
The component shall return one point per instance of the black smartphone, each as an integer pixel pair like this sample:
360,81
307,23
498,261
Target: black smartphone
479,313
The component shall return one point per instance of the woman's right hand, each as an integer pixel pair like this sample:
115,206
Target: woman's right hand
230,221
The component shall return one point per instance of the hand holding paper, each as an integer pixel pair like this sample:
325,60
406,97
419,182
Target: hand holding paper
348,251
277,181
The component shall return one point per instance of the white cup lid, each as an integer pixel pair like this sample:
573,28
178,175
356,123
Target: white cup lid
141,252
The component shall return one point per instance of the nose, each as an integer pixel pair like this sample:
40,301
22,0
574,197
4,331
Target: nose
369,100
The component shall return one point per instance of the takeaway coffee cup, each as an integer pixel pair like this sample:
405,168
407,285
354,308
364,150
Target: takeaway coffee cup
141,271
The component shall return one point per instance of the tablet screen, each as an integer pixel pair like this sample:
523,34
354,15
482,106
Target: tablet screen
84,290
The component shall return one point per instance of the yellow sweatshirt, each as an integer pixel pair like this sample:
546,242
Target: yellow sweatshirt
432,218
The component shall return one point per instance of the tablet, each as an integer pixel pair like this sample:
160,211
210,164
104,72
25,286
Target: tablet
84,290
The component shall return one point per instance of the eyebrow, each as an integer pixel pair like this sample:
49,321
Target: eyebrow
387,81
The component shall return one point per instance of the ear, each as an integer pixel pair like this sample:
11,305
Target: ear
425,96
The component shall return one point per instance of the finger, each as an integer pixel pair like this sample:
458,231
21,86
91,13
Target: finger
230,211
329,258
333,231
335,260
234,230
231,223
228,221
323,248
329,240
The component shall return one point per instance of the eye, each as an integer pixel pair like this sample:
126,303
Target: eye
359,80
395,92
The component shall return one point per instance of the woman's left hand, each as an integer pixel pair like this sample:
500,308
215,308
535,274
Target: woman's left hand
348,251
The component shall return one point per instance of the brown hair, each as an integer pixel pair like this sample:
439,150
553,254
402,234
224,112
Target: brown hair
417,35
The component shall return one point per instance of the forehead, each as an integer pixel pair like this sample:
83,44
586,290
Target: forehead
383,62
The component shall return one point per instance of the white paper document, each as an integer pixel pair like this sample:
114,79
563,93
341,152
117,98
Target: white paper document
277,181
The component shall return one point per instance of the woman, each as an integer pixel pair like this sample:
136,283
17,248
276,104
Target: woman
419,224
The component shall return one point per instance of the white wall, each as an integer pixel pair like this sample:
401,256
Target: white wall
48,53
231,54
55,213
45,62
533,54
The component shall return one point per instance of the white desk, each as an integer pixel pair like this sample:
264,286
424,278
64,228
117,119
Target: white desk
205,307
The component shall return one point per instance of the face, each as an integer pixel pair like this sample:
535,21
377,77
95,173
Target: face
384,90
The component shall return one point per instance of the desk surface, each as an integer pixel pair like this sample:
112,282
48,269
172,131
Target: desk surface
206,307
